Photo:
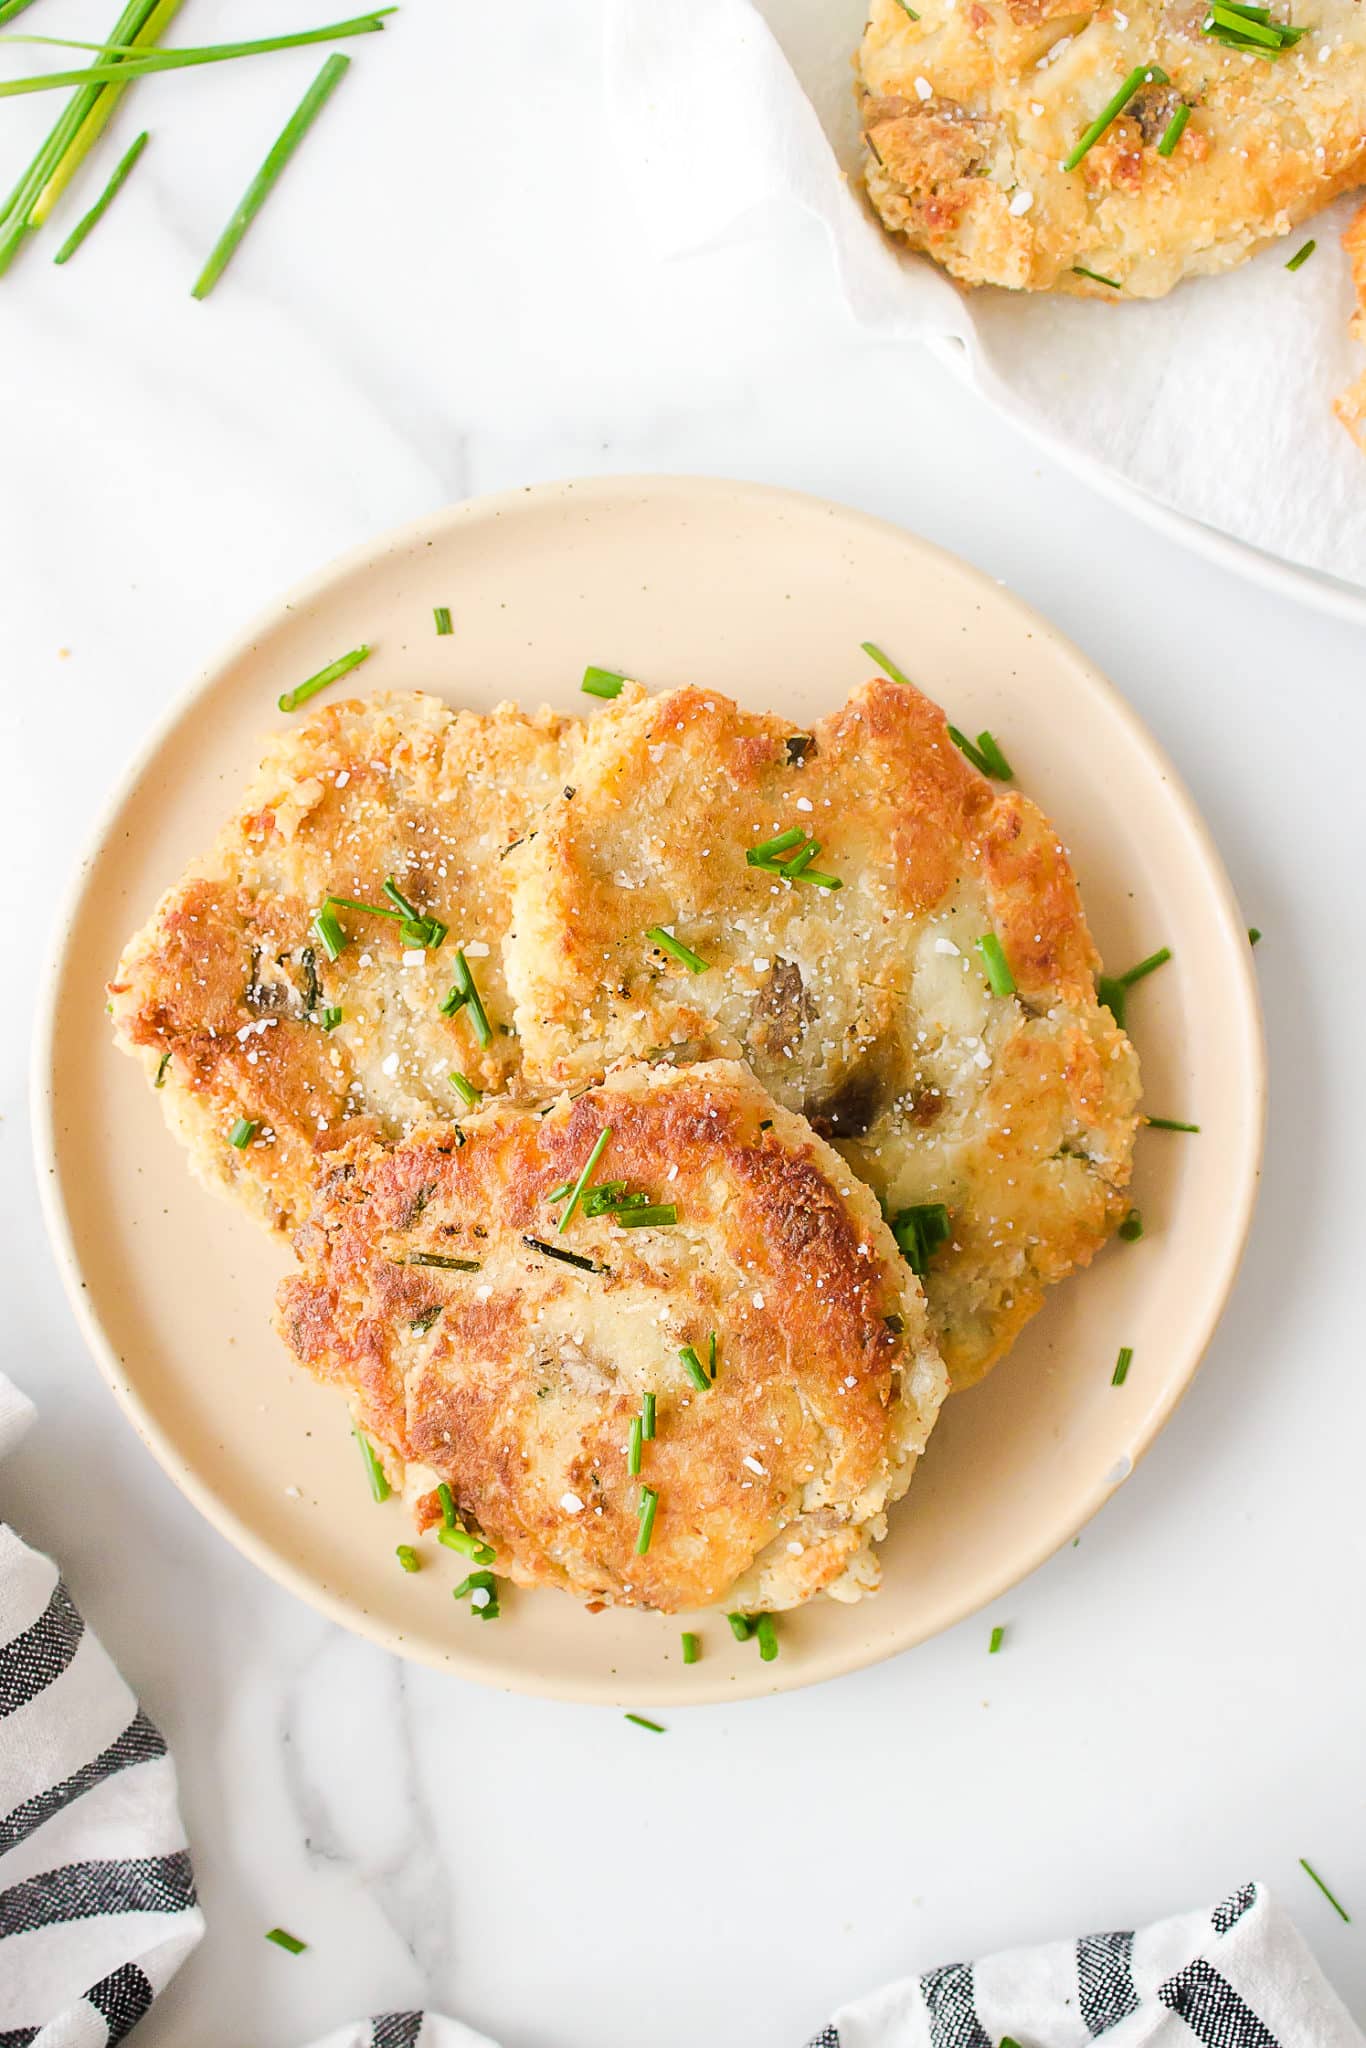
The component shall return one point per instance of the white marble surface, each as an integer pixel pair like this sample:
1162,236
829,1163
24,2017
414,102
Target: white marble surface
448,295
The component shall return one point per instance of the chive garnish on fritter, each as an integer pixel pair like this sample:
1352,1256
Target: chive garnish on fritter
985,756
575,1193
1144,74
887,666
633,1447
1174,130
555,1251
645,1511
444,1495
444,1260
468,1545
1112,989
466,1090
693,1366
766,1630
162,1064
242,1133
919,1232
998,973
647,1416
667,943
649,1216
374,1471
1096,277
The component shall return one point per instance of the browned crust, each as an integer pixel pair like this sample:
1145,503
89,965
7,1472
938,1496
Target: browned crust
809,1385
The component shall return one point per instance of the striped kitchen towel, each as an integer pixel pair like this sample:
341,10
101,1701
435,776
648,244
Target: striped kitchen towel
97,1900
1237,1977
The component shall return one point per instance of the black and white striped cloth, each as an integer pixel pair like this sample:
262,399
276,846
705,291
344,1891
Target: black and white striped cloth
1237,1977
97,1899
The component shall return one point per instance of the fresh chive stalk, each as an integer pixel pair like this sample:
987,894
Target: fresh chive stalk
263,184
442,1260
667,943
640,1721
139,61
464,994
102,204
1096,277
998,1636
162,1064
1122,1364
1169,1123
692,1648
647,1416
649,1502
1174,130
741,1627
650,1216
442,614
985,756
466,1090
919,1231
379,1481
408,1557
556,1251
447,1500
1302,254
766,1630
332,1017
469,1545
634,1447
1131,1229
342,666
242,1133
1337,1907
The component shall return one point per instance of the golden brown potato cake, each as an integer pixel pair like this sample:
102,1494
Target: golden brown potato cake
228,996
1350,405
971,108
866,1007
494,1351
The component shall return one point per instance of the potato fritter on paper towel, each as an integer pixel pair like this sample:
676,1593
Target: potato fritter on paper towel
512,1359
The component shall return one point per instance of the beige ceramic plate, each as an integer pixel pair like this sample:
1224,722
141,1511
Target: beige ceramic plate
765,595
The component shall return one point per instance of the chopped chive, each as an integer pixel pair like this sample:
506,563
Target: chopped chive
888,667
1096,277
119,60
1111,111
1131,1229
558,1194
711,1354
466,1090
428,1320
1174,130
997,967
330,935
332,1017
1253,935
649,1501
1334,1903
1122,1364
477,1582
692,1648
766,1630
633,1447
601,682
817,881
997,765
464,992
162,1064
741,1627
998,1636
290,1942
769,849
468,1544
968,750
1302,255
555,1251
1146,967
261,186
609,1194
669,944
599,1147
242,1133
1168,1123
919,1231
651,1215
641,1722
693,1366
447,1500
342,666
408,1557
98,210
647,1417
442,614
802,858
443,1260
369,909
374,1471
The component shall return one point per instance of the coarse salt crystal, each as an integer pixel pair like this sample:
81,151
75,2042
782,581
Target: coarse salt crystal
342,779
761,966
804,803
414,958
390,1065
753,1465
480,1597
1022,202
476,950
945,946
758,1301
924,89
571,1503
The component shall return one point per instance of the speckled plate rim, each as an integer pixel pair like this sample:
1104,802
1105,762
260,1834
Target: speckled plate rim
1243,1009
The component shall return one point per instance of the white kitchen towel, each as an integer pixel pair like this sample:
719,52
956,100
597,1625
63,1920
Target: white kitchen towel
739,115
97,1898
1237,1977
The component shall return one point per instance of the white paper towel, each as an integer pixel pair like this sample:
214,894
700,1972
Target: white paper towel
1216,401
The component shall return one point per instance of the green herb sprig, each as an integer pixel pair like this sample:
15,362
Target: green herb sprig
101,206
1143,74
342,666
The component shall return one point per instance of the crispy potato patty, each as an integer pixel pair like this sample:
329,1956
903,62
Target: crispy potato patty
437,1288
868,1007
228,996
971,108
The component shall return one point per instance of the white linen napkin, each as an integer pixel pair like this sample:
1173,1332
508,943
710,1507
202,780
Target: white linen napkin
1216,401
97,1898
